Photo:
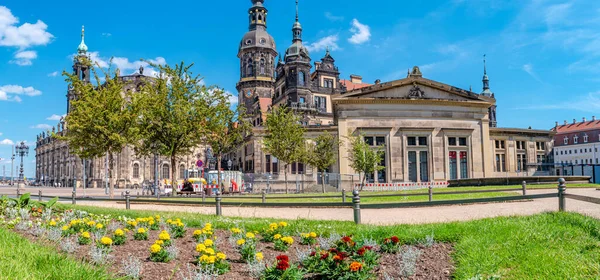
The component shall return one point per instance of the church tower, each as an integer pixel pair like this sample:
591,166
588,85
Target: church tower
297,68
488,93
81,67
257,53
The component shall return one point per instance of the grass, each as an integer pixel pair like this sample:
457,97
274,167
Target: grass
22,259
544,246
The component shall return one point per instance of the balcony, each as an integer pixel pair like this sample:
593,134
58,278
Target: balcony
302,107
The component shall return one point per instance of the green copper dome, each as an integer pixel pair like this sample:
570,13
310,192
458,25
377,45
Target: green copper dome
82,49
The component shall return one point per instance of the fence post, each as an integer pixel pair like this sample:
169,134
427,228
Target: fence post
40,195
524,184
562,187
343,196
203,195
127,196
430,190
73,197
356,206
218,202
264,196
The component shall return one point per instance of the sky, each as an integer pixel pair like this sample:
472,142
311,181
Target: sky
543,56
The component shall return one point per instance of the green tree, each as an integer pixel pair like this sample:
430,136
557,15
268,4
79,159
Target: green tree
227,129
285,138
322,154
363,158
101,118
175,109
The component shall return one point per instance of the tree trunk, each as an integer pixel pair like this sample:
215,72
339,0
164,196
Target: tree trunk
362,183
111,186
173,173
219,172
285,177
323,181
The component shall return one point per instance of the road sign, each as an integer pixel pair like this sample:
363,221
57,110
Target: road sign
199,163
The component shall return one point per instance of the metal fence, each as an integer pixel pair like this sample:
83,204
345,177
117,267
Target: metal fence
592,170
298,183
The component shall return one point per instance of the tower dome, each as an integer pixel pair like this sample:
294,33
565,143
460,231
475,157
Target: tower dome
82,48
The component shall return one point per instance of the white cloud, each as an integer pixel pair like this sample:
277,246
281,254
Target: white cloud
333,17
1,133
7,142
16,89
125,66
106,34
329,41
584,103
528,68
17,99
55,117
233,99
361,33
53,74
24,58
22,36
557,13
42,126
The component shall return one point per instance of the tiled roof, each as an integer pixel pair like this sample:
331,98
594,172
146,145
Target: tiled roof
352,86
580,126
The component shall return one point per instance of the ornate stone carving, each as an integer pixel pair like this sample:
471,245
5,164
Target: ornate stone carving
416,92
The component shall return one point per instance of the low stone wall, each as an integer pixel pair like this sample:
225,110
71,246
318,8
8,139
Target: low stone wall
517,180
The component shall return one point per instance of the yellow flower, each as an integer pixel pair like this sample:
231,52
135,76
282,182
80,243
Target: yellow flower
91,223
241,242
119,232
236,231
209,251
221,256
312,234
273,226
141,230
52,223
106,241
288,240
203,259
259,256
164,236
157,217
65,228
137,220
198,232
169,221
283,224
126,230
99,226
250,235
180,224
132,223
85,235
155,248
212,259
159,242
276,236
208,242
200,248
151,223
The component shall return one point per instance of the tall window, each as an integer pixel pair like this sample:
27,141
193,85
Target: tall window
418,168
136,170
412,166
249,68
328,83
453,165
321,103
378,142
424,167
464,174
301,78
585,138
268,163
521,162
500,162
500,144
575,139
566,140
165,171
275,165
262,66
297,168
181,171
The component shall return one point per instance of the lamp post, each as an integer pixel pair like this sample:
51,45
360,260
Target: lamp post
12,164
22,151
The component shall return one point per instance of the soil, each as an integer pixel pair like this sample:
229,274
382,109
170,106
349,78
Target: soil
435,262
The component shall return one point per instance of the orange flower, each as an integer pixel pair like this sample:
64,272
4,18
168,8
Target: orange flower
355,266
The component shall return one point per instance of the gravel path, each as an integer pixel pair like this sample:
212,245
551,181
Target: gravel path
418,215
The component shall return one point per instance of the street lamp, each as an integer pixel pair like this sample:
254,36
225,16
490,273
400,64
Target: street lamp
22,151
12,165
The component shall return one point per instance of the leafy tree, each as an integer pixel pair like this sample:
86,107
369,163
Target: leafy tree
363,158
322,153
175,110
227,129
285,138
101,119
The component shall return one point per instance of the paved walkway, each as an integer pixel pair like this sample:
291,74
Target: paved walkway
418,215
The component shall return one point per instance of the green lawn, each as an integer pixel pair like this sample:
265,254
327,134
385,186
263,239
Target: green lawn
545,246
21,259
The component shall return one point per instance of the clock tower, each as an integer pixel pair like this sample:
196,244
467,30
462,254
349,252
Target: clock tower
257,53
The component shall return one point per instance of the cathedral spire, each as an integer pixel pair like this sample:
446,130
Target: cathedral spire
486,81
258,15
82,49
297,29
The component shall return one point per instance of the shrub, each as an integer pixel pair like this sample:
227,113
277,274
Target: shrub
247,248
391,245
132,267
140,234
410,256
104,243
119,237
165,238
308,238
84,238
274,229
177,228
158,253
283,244
282,270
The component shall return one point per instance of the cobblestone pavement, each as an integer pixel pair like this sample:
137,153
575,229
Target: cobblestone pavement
417,215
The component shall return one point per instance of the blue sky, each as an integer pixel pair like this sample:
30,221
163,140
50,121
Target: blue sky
543,56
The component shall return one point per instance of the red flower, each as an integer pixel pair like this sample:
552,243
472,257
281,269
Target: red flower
346,239
395,239
338,258
361,251
387,240
283,265
313,253
283,258
324,255
333,251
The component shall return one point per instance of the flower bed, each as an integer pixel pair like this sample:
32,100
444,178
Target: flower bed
153,248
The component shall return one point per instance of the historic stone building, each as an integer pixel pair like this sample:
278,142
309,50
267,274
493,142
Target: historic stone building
429,131
56,165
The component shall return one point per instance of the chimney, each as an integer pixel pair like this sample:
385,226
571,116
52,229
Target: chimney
556,124
583,119
378,81
574,121
565,122
317,65
593,118
355,79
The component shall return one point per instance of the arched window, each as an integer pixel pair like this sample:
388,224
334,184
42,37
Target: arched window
136,170
301,78
181,171
259,17
243,70
262,66
249,68
165,171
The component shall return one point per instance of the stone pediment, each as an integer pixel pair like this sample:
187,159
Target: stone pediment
413,88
